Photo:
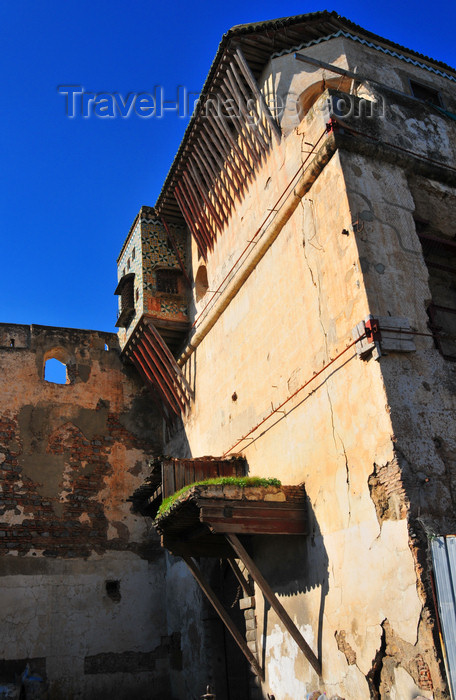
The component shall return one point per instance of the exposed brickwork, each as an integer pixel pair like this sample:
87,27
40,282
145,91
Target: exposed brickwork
80,507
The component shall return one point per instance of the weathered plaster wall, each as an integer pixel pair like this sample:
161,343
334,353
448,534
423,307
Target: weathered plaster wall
81,577
352,587
420,385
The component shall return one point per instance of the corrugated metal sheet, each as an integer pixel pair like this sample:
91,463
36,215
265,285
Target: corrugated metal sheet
444,560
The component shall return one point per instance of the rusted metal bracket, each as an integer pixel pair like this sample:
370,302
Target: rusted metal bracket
231,627
273,601
378,336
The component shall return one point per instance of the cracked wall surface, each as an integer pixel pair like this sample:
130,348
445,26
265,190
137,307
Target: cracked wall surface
372,441
71,455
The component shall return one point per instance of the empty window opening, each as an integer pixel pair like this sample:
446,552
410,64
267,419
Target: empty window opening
168,281
435,210
426,93
106,347
55,372
311,94
128,264
126,290
201,282
113,590
133,254
137,295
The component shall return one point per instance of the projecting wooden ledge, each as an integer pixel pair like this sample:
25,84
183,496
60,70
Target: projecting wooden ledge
196,523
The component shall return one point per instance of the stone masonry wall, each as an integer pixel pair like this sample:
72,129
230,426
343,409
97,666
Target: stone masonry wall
81,577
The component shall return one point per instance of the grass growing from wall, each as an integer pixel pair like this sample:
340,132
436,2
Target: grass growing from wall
240,481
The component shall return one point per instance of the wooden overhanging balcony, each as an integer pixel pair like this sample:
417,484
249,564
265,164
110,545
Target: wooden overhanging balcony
212,520
169,475
152,357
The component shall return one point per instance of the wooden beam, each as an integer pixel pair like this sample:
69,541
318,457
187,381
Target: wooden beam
216,174
248,75
241,126
260,142
231,627
161,377
247,588
249,99
162,371
201,189
212,181
190,223
274,602
166,351
234,145
199,212
220,146
230,155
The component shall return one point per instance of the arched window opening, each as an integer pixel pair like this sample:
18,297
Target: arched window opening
201,282
311,94
55,371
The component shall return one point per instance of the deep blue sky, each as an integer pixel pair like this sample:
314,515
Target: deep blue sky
70,188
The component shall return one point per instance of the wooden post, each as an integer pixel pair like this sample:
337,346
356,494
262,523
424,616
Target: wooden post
273,601
231,627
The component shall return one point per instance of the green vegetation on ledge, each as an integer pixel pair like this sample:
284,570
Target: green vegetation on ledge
240,481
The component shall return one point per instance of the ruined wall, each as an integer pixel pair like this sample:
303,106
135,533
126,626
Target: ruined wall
354,586
81,577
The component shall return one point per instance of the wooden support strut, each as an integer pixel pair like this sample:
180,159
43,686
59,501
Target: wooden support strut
248,75
199,226
241,128
221,147
230,83
219,163
253,103
273,601
190,223
217,135
215,175
165,351
199,212
231,627
211,182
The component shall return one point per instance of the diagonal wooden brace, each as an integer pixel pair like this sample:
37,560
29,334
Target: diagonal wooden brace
231,627
273,601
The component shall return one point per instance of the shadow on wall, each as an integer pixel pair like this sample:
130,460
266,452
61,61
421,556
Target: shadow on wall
292,565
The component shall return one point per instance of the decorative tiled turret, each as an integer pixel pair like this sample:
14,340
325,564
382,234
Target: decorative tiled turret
153,287
152,282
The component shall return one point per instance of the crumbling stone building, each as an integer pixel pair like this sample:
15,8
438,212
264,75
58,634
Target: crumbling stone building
287,310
